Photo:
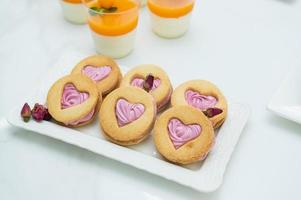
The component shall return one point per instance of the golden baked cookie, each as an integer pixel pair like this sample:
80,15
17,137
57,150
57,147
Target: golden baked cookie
127,115
153,79
103,70
183,135
204,96
73,100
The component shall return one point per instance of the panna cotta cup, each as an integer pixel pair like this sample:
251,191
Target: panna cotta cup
74,11
113,25
170,18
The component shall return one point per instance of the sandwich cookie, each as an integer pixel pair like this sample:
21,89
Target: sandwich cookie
73,100
103,70
152,79
204,96
183,135
127,115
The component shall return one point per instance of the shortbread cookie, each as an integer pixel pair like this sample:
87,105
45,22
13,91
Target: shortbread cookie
204,96
127,115
73,100
183,135
152,79
103,70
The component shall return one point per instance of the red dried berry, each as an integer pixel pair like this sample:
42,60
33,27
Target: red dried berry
211,112
47,116
148,83
38,112
26,112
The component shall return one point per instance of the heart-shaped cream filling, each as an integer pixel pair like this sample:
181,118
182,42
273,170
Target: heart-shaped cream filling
127,112
96,73
200,101
180,133
138,82
72,97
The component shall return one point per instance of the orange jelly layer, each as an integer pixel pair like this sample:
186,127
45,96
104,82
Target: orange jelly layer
124,20
170,8
73,1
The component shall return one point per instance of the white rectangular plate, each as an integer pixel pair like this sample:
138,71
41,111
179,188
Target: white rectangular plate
204,176
286,102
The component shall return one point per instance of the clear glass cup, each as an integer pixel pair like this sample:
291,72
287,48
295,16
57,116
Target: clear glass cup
170,18
74,11
114,32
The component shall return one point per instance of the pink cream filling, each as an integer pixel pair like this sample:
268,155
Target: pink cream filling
138,82
180,133
127,112
200,101
96,73
72,97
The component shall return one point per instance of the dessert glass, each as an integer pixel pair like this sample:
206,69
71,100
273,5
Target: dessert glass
74,11
114,32
170,18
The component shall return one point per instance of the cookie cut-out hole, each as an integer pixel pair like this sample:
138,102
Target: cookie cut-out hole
181,133
200,101
127,112
96,73
72,97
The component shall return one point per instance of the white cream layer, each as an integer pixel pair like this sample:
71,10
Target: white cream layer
74,12
114,46
170,27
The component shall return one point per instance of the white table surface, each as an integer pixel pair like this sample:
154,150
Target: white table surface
244,46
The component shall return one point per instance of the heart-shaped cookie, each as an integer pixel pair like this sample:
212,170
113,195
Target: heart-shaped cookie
127,112
138,82
96,73
180,133
200,101
72,97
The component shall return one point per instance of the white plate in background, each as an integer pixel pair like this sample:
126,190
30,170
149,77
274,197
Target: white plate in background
286,102
204,176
